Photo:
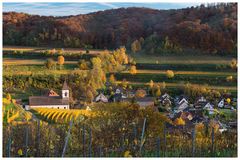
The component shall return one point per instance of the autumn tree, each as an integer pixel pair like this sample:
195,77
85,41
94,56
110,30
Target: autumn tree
233,64
83,64
136,46
140,93
169,73
112,79
158,92
151,83
60,61
179,122
9,97
229,78
133,70
50,63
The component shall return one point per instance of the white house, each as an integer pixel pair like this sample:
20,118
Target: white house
221,103
101,98
182,105
52,100
209,108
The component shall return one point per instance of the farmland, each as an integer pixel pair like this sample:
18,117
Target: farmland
199,69
128,81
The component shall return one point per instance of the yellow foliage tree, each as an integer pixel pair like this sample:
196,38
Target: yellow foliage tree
169,73
133,70
180,122
60,61
228,100
112,79
140,93
151,83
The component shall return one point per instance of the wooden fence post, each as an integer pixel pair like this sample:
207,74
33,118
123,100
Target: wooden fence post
38,139
83,140
90,144
100,151
67,137
9,143
26,142
164,139
143,131
158,147
212,140
193,142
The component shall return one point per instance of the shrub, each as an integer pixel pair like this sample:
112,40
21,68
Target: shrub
169,73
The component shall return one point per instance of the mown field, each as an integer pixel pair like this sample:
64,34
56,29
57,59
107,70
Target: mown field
204,70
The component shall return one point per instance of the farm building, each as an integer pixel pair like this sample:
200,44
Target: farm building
51,100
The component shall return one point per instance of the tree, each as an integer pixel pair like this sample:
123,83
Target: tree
158,92
133,70
180,122
233,64
228,100
112,79
151,83
50,63
163,86
134,47
9,97
83,65
169,73
229,78
141,40
140,93
60,61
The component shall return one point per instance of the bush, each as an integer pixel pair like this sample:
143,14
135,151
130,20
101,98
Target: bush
170,73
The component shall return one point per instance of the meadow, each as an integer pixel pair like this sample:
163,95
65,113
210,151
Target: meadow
206,70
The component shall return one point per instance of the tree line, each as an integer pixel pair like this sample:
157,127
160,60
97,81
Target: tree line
209,28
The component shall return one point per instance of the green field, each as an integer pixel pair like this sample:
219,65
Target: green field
206,70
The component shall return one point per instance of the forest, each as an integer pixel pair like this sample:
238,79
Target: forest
210,29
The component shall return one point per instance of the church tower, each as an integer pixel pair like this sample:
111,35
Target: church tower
65,91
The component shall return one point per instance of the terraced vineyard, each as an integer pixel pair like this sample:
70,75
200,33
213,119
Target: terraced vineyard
63,115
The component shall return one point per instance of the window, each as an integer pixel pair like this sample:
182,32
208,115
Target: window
58,107
66,94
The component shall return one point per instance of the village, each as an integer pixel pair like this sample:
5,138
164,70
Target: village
177,108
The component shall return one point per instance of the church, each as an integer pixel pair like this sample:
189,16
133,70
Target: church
51,100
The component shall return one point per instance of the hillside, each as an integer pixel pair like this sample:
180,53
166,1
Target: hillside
212,28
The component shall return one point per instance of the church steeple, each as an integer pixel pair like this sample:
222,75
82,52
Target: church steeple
65,90
65,86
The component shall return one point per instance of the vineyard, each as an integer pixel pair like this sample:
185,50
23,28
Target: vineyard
62,115
113,130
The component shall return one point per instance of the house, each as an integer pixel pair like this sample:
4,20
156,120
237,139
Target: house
181,104
117,97
51,100
142,102
221,103
145,101
224,104
200,103
165,99
101,98
209,108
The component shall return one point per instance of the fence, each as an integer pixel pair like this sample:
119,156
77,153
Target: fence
79,140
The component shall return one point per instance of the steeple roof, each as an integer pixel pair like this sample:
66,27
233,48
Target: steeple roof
65,86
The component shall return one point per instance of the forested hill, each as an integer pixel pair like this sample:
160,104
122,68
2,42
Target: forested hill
211,28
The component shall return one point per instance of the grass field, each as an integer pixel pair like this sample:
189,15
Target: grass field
196,69
181,59
42,49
